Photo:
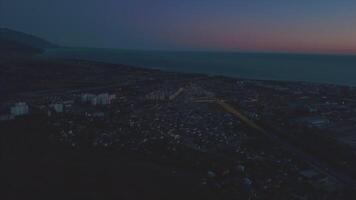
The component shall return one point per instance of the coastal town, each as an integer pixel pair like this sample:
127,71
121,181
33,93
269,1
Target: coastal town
247,138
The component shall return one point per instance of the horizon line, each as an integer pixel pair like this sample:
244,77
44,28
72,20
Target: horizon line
213,51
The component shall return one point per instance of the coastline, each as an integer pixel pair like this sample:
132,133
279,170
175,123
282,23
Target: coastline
251,68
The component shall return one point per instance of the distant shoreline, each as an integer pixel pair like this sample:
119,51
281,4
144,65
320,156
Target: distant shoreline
286,68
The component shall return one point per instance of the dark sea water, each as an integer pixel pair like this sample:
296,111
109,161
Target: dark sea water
334,69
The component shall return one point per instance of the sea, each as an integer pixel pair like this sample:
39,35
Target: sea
331,69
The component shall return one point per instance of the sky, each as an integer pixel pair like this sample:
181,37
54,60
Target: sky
306,26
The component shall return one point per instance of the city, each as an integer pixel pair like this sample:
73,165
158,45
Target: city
262,150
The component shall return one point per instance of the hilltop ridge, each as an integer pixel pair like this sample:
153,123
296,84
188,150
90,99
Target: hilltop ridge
13,43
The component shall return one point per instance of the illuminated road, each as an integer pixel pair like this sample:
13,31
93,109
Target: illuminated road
176,94
235,112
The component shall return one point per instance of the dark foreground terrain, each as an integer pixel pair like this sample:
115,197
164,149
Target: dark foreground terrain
33,169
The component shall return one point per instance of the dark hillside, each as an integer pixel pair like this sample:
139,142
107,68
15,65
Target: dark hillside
11,48
25,39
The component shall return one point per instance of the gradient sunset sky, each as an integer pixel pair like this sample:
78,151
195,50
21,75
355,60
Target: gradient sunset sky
306,26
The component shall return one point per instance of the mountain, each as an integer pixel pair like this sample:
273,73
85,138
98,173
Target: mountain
24,39
15,43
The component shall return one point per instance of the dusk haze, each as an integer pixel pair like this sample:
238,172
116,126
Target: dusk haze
317,26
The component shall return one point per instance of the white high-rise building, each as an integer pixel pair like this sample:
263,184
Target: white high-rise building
103,99
58,107
19,109
100,99
88,97
94,101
